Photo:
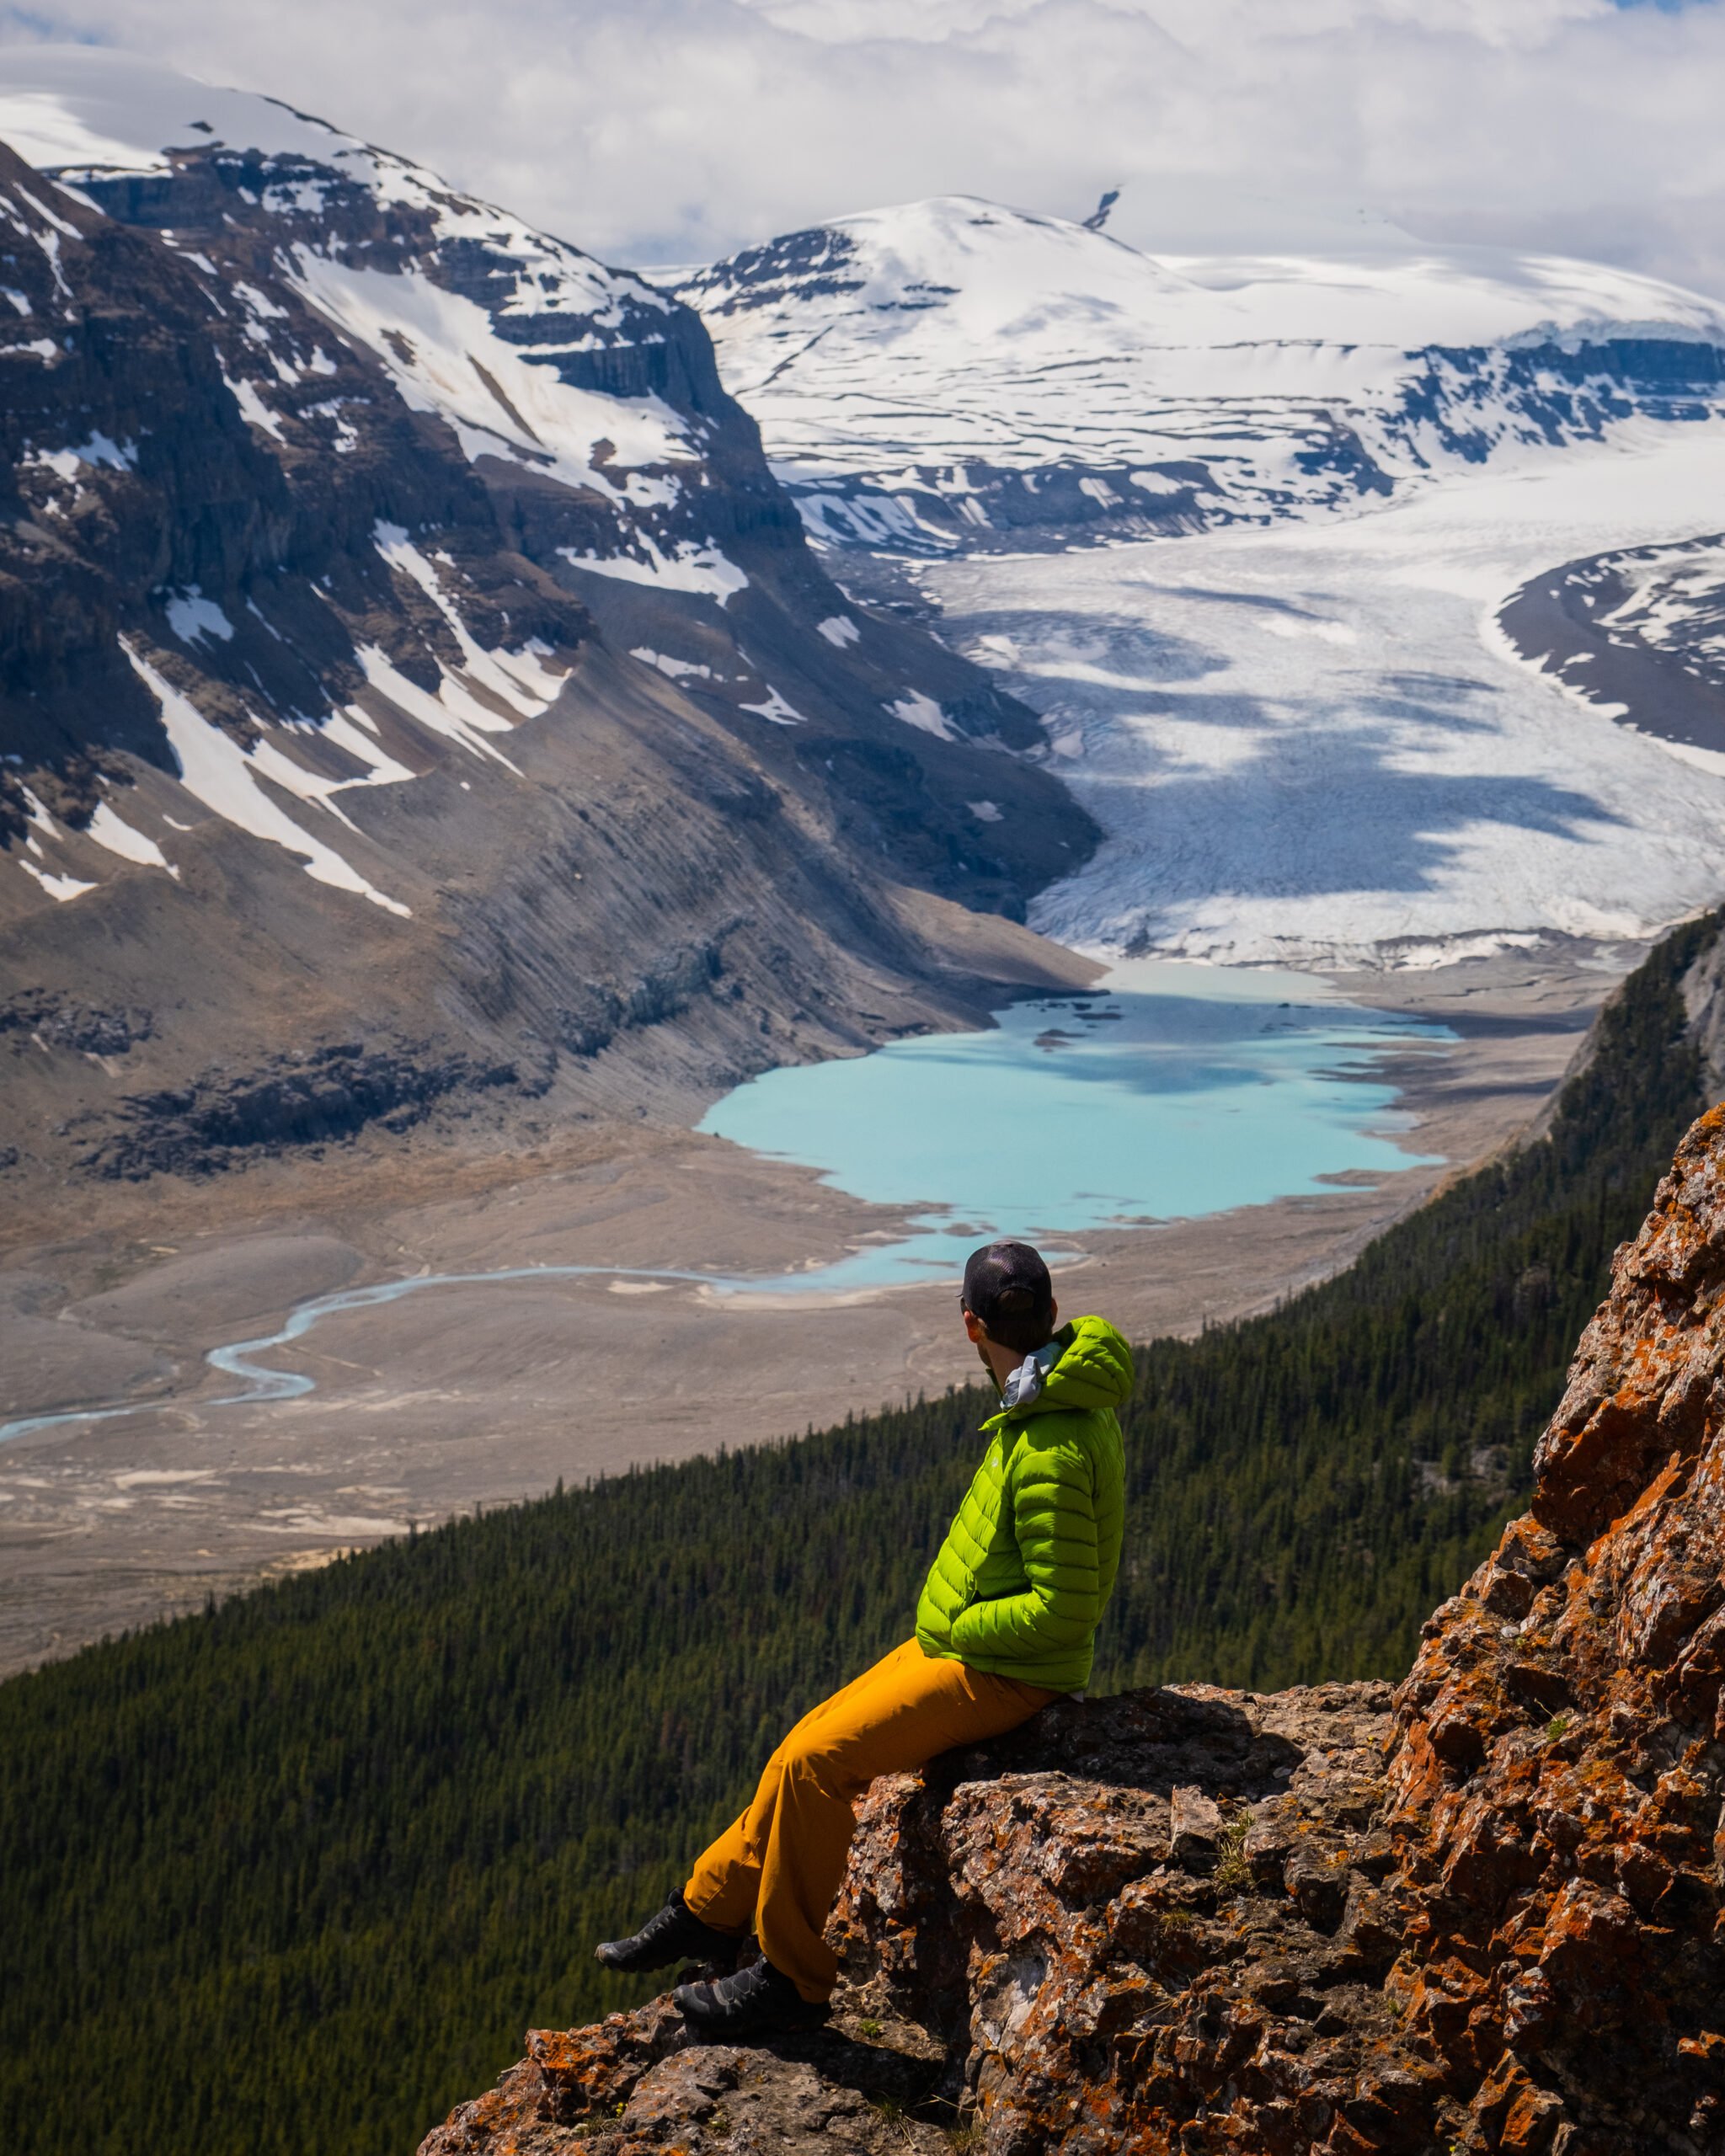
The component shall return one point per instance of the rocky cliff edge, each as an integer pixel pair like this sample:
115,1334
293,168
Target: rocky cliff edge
1476,1913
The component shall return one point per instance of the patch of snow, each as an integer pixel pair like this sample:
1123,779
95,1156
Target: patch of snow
270,761
256,411
19,300
444,356
347,435
121,456
109,830
985,812
520,679
839,629
63,226
689,567
775,709
358,740
258,303
836,520
63,887
924,713
455,712
49,244
678,669
215,769
1671,602
192,617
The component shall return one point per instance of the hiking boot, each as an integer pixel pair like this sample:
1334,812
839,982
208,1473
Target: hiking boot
757,2001
671,1935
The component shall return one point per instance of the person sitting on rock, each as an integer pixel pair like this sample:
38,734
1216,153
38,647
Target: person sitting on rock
1006,1623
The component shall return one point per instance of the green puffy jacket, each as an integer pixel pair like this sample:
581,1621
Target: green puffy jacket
1026,1568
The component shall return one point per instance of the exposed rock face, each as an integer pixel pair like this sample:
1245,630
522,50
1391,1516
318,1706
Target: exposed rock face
1558,1772
1478,1915
221,1121
1159,1915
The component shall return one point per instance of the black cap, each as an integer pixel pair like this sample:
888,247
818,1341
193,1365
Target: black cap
1006,1281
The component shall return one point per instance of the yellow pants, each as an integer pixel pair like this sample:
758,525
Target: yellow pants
780,1867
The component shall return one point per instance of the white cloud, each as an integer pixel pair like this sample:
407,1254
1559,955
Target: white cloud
673,129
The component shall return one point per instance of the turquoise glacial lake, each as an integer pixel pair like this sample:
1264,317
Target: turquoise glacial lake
1171,1091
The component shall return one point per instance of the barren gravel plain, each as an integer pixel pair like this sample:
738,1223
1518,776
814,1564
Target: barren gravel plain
464,1395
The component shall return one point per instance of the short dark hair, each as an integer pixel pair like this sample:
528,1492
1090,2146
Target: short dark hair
1007,1285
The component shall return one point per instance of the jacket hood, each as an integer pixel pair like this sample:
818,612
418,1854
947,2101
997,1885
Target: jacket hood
1094,1371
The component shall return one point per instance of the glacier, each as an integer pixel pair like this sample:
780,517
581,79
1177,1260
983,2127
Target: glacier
1240,528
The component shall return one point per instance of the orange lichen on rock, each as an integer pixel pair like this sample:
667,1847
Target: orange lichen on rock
1557,1779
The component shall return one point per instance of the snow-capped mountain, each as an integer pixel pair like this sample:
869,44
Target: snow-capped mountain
1335,469
956,375
401,634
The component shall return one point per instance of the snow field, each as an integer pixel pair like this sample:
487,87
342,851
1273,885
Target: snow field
936,336
215,769
444,356
1311,744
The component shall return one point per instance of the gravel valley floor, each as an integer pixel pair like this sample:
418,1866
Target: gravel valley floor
465,1395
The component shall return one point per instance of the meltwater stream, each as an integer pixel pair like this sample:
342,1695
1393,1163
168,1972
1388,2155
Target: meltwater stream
234,1360
1170,1092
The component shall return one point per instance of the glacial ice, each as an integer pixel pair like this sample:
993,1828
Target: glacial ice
1409,791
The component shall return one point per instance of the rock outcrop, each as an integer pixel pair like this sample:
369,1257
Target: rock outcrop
1558,1773
1476,1914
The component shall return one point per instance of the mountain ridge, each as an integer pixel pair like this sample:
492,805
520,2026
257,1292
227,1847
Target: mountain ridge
951,374
402,640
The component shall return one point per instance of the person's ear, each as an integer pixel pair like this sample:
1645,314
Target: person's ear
974,1329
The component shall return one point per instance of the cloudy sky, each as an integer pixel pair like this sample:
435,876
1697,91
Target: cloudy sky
670,130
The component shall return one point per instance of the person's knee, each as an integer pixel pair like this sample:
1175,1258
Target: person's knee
814,1763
